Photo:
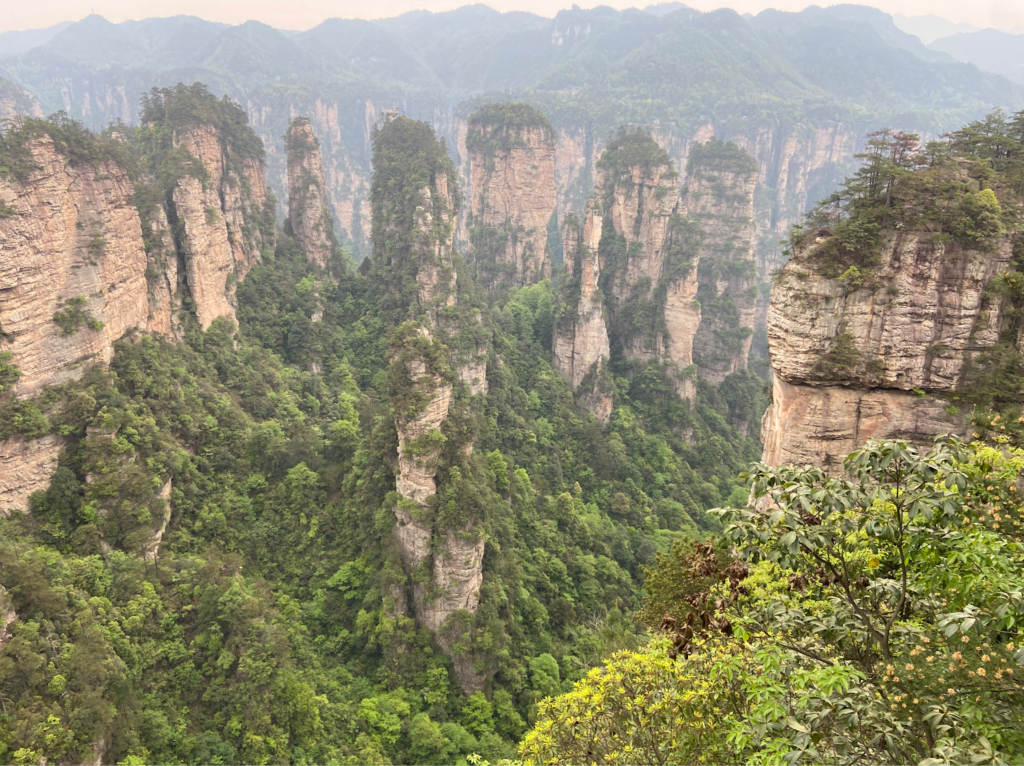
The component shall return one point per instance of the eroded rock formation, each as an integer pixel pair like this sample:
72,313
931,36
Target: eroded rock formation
26,466
720,181
440,345
512,192
80,269
871,357
642,303
220,217
309,213
580,343
70,246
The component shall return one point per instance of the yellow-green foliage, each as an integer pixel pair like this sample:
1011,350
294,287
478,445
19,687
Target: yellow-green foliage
639,708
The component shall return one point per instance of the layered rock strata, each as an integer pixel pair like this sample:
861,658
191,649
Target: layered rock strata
720,182
309,213
512,189
70,242
871,358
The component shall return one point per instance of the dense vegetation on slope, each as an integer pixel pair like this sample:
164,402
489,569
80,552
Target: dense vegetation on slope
256,629
875,619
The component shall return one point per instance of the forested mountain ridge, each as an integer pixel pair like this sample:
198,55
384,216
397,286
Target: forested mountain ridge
367,523
800,109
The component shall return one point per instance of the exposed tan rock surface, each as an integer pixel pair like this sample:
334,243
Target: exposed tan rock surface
858,362
651,268
209,259
220,217
73,234
26,467
513,192
642,209
165,291
309,212
720,186
580,343
820,425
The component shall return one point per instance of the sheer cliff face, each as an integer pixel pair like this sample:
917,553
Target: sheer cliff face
165,290
220,221
72,235
434,220
854,363
720,197
512,183
580,343
75,274
308,210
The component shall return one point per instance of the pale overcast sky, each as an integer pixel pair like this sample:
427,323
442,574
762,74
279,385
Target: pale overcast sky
303,14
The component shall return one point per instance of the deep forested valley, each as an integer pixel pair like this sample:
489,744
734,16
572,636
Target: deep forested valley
510,435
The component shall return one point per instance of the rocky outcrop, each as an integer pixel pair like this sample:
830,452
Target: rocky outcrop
26,467
512,191
870,356
644,278
220,216
152,549
580,343
70,246
309,213
720,181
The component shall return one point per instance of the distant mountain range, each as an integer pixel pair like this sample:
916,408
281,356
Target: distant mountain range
991,50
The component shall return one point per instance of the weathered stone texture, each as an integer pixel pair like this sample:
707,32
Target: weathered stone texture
73,234
26,467
309,212
913,326
720,198
580,343
514,191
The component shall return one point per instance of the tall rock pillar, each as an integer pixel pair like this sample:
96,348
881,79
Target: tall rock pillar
309,213
720,185
512,178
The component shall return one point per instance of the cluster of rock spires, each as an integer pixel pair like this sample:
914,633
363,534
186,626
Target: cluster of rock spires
646,258
656,269
73,234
